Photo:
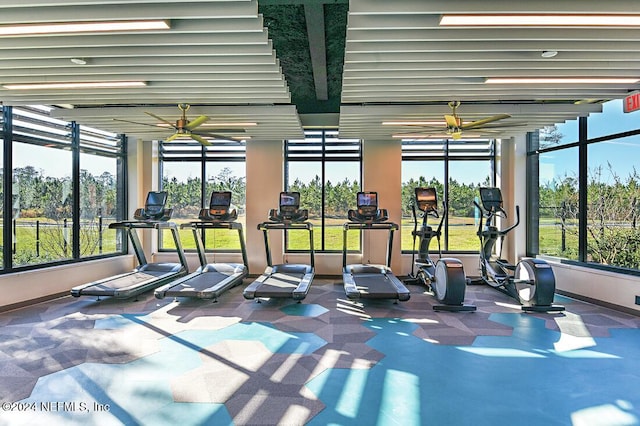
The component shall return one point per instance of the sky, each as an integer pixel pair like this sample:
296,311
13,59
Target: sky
622,154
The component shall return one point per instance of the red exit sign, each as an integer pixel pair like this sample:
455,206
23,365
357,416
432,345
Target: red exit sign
631,102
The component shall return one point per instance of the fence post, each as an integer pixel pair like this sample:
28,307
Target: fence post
100,234
37,238
65,236
14,236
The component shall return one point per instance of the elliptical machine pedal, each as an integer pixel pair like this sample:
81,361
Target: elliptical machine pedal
445,278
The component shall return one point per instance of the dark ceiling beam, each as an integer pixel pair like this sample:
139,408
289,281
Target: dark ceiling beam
305,2
314,15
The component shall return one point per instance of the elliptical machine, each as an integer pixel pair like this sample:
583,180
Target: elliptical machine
531,282
445,278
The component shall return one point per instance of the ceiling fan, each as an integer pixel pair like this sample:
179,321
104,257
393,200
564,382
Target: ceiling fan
455,126
185,128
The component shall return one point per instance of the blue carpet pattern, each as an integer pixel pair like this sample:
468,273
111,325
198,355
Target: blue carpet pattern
326,361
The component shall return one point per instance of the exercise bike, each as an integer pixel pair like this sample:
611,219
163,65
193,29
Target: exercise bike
444,278
531,281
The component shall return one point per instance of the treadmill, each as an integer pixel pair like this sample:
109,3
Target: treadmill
285,280
146,276
211,279
366,281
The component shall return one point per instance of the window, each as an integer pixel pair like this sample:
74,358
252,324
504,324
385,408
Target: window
587,193
66,186
326,171
100,166
456,169
190,173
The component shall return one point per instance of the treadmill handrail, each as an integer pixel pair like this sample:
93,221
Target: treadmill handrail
266,226
367,226
196,225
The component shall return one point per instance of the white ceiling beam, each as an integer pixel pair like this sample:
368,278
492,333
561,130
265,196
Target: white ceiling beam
148,61
494,34
131,11
482,46
585,54
411,7
137,39
141,51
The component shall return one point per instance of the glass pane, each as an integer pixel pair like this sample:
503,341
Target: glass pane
98,204
1,195
465,177
227,176
304,177
613,232
182,182
42,201
558,211
559,134
342,183
612,120
419,174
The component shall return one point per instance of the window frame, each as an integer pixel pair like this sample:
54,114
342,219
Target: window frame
445,156
324,151
74,139
193,152
582,143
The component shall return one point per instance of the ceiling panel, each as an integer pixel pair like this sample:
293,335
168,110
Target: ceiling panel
401,65
216,56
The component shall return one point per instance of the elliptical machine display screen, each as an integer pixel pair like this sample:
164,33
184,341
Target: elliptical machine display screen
426,199
491,199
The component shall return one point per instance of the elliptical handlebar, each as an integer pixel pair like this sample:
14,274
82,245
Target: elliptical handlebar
489,214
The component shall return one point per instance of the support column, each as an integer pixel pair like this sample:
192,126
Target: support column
265,177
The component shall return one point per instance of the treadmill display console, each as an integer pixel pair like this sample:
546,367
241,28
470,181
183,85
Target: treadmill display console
367,211
219,208
289,209
367,204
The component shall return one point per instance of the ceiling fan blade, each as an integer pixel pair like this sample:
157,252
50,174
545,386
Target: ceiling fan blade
452,120
139,123
221,137
479,123
502,126
456,135
200,139
208,131
173,125
196,122
173,137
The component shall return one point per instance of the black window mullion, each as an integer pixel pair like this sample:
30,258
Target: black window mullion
7,135
582,189
75,179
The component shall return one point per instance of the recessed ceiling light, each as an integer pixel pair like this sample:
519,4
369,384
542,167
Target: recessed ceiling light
76,85
542,20
549,53
80,27
561,80
79,61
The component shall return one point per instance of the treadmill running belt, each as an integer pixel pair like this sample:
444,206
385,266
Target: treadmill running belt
122,283
278,284
375,286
